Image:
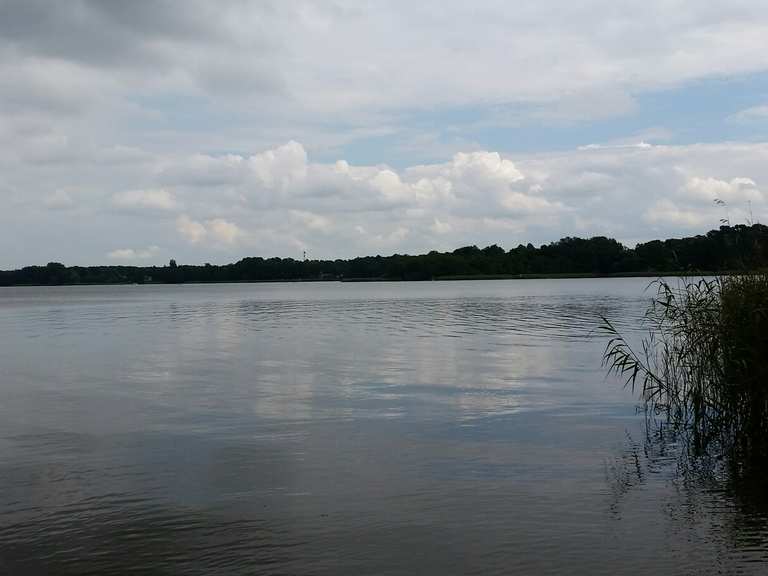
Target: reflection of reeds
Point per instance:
(704, 500)
(704, 363)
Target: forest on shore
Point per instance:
(729, 248)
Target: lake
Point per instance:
(338, 428)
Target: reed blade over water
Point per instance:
(704, 362)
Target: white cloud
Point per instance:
(484, 166)
(339, 209)
(312, 221)
(223, 232)
(216, 230)
(733, 190)
(641, 145)
(281, 167)
(129, 254)
(283, 178)
(391, 238)
(522, 204)
(335, 209)
(440, 227)
(755, 113)
(192, 231)
(667, 212)
(155, 199)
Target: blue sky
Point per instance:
(703, 111)
(136, 132)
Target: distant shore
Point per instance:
(468, 277)
(457, 278)
(727, 249)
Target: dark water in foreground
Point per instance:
(429, 428)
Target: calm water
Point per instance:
(424, 428)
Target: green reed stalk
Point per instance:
(704, 362)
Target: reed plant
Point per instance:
(703, 364)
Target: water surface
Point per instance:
(326, 428)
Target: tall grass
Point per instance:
(704, 363)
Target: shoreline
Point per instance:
(456, 278)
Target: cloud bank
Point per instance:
(278, 202)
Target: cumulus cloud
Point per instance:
(284, 178)
(440, 227)
(312, 221)
(735, 189)
(277, 168)
(523, 204)
(192, 231)
(223, 232)
(130, 254)
(339, 208)
(281, 167)
(290, 203)
(216, 230)
(668, 213)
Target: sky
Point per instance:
(137, 132)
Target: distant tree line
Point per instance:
(730, 248)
